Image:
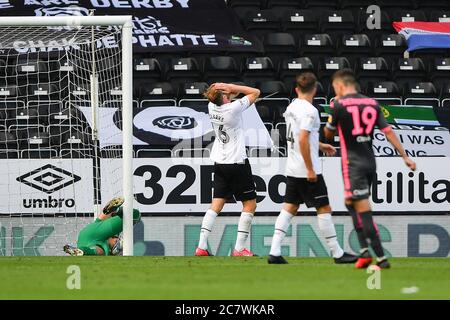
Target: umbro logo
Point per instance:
(49, 178)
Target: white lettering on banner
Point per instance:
(46, 186)
(176, 40)
(138, 4)
(185, 185)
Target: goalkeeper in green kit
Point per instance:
(102, 237)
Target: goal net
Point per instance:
(61, 88)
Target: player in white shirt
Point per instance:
(305, 183)
(232, 171)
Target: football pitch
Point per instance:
(218, 278)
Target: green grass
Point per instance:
(217, 278)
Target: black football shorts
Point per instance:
(234, 179)
(312, 194)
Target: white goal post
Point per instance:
(125, 23)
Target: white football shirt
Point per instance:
(302, 115)
(229, 145)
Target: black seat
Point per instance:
(317, 46)
(276, 89)
(337, 23)
(385, 92)
(220, 69)
(258, 69)
(192, 90)
(440, 72)
(26, 116)
(328, 66)
(390, 46)
(374, 69)
(279, 46)
(408, 15)
(354, 46)
(159, 94)
(8, 92)
(8, 140)
(148, 68)
(260, 22)
(421, 93)
(181, 70)
(44, 91)
(290, 68)
(299, 22)
(439, 15)
(409, 71)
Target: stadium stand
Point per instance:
(321, 36)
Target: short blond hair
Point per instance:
(214, 95)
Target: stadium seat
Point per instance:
(440, 72)
(25, 116)
(8, 91)
(328, 66)
(8, 140)
(372, 69)
(276, 89)
(220, 69)
(279, 46)
(148, 68)
(408, 15)
(354, 46)
(337, 23)
(258, 69)
(409, 71)
(289, 69)
(79, 91)
(62, 134)
(44, 91)
(385, 92)
(299, 22)
(192, 90)
(159, 94)
(317, 46)
(439, 15)
(181, 70)
(260, 22)
(390, 46)
(421, 93)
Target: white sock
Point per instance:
(245, 223)
(281, 225)
(207, 224)
(326, 226)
